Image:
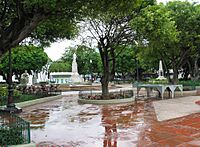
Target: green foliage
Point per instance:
(85, 55)
(53, 29)
(60, 67)
(10, 136)
(155, 24)
(171, 33)
(189, 83)
(4, 92)
(24, 58)
(42, 21)
(186, 17)
(126, 61)
(13, 130)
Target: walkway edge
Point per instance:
(38, 101)
(104, 102)
(24, 145)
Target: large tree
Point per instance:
(28, 58)
(53, 19)
(187, 19)
(109, 26)
(157, 29)
(172, 34)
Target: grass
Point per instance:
(22, 98)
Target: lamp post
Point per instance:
(10, 107)
(137, 70)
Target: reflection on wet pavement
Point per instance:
(66, 123)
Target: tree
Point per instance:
(85, 55)
(158, 31)
(24, 58)
(44, 20)
(60, 66)
(109, 26)
(186, 16)
(172, 35)
(126, 62)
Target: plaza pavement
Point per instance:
(175, 108)
(150, 122)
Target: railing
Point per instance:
(13, 130)
(112, 95)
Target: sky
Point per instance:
(56, 49)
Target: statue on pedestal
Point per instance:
(161, 72)
(76, 78)
(74, 65)
(24, 78)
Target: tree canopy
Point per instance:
(171, 34)
(88, 59)
(24, 58)
(45, 20)
(109, 26)
(59, 66)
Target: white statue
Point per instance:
(74, 65)
(25, 78)
(74, 57)
(75, 75)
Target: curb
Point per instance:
(24, 145)
(105, 102)
(38, 101)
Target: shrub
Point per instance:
(4, 92)
(10, 136)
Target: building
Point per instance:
(61, 77)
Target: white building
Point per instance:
(61, 77)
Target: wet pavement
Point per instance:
(66, 123)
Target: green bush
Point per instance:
(10, 136)
(17, 93)
(4, 92)
(189, 83)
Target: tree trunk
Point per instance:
(195, 75)
(106, 68)
(105, 79)
(175, 73)
(104, 84)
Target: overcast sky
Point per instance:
(56, 49)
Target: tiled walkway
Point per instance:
(68, 124)
(180, 132)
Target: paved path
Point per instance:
(177, 107)
(65, 123)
